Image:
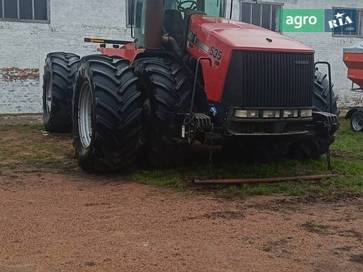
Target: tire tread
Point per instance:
(63, 67)
(119, 125)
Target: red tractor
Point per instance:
(190, 76)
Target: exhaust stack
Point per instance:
(154, 17)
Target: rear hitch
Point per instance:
(195, 122)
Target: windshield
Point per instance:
(215, 8)
(210, 7)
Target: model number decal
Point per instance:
(215, 53)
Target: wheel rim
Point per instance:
(85, 116)
(357, 122)
(48, 95)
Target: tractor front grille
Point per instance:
(269, 79)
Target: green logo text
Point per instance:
(302, 20)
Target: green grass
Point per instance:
(347, 159)
(26, 146)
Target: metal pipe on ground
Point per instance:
(154, 17)
(262, 180)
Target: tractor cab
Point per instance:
(176, 15)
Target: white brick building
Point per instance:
(61, 25)
(24, 45)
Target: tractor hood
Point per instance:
(244, 36)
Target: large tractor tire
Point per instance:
(58, 81)
(319, 143)
(168, 89)
(108, 128)
(321, 95)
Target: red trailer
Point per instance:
(353, 58)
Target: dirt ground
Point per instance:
(69, 221)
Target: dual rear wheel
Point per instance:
(167, 92)
(108, 121)
(122, 113)
(119, 113)
(58, 81)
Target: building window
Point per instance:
(354, 29)
(24, 10)
(262, 14)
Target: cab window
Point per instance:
(139, 21)
(170, 4)
(214, 7)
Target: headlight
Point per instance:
(291, 113)
(240, 113)
(271, 114)
(246, 113)
(306, 113)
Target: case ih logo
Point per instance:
(341, 20)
